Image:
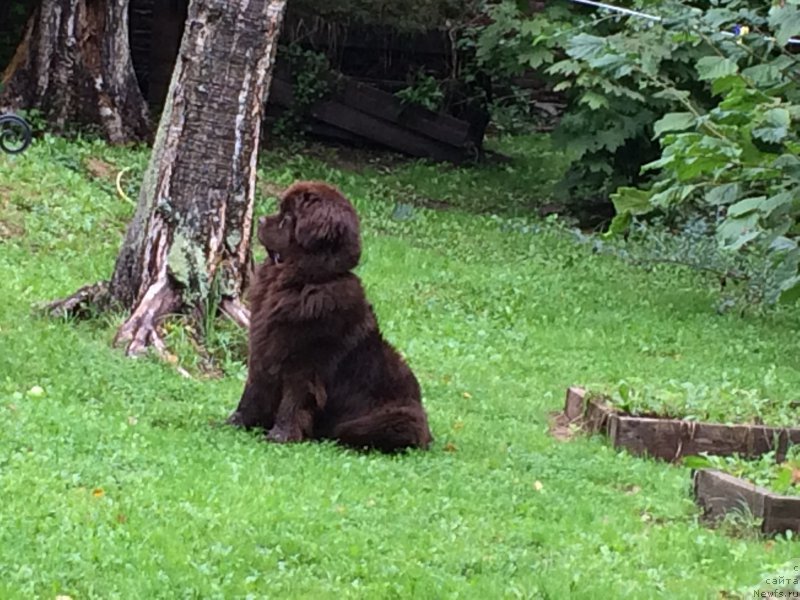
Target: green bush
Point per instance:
(691, 117)
(738, 156)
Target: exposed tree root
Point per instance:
(141, 328)
(236, 312)
(86, 302)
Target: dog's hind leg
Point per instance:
(389, 429)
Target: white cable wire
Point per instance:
(641, 15)
(619, 9)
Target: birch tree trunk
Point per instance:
(74, 65)
(189, 239)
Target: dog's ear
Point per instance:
(326, 227)
(321, 224)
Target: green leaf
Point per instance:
(585, 47)
(789, 164)
(764, 75)
(782, 245)
(676, 121)
(746, 206)
(697, 462)
(726, 193)
(672, 94)
(564, 67)
(618, 65)
(715, 67)
(632, 201)
(624, 390)
(673, 195)
(783, 481)
(736, 232)
(778, 117)
(536, 57)
(790, 290)
(786, 21)
(776, 202)
(619, 224)
(694, 166)
(594, 100)
(724, 85)
(773, 135)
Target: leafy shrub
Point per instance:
(310, 73)
(690, 117)
(504, 42)
(725, 402)
(607, 127)
(423, 89)
(737, 156)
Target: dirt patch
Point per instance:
(12, 222)
(357, 160)
(100, 169)
(5, 196)
(10, 230)
(562, 428)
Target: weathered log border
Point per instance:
(719, 493)
(672, 439)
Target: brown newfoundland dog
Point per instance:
(318, 367)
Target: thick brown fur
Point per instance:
(318, 366)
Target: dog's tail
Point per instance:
(388, 430)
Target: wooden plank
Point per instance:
(672, 439)
(781, 513)
(573, 404)
(370, 128)
(718, 493)
(597, 416)
(384, 133)
(387, 106)
(331, 132)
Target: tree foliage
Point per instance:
(694, 115)
(735, 156)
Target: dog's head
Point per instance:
(316, 231)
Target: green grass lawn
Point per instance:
(116, 481)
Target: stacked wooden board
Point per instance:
(356, 112)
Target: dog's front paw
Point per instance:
(235, 420)
(282, 435)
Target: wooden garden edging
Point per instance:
(672, 439)
(719, 493)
